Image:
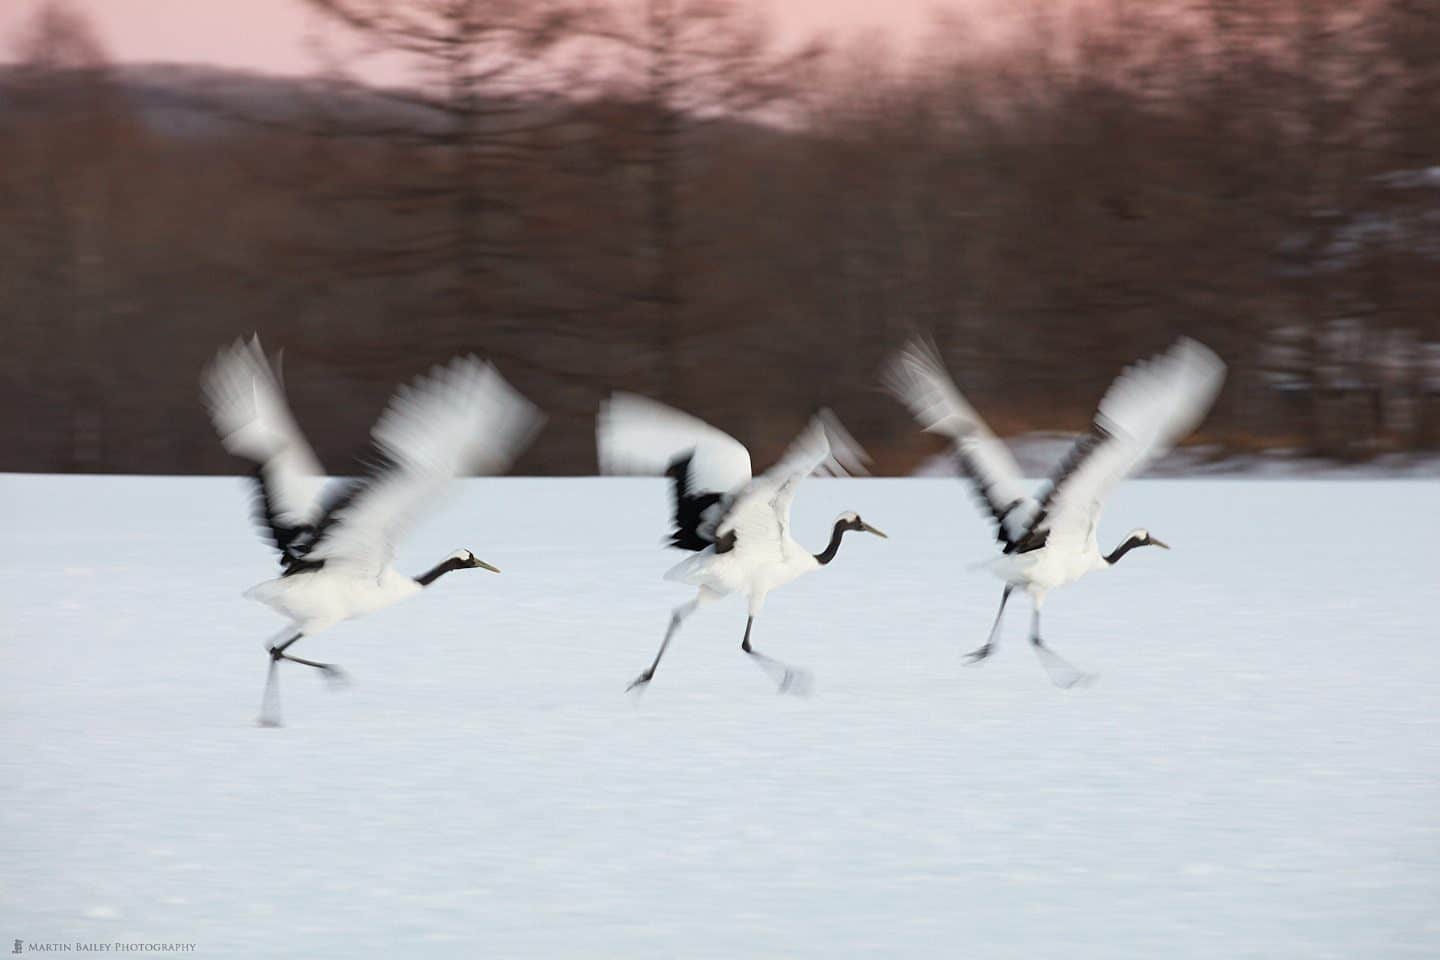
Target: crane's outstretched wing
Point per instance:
(636, 435)
(918, 379)
(1149, 407)
(760, 512)
(247, 406)
(462, 418)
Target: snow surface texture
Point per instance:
(1254, 775)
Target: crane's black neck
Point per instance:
(439, 570)
(1130, 544)
(828, 554)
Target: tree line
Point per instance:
(655, 195)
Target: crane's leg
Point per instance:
(270, 702)
(788, 679)
(332, 673)
(975, 656)
(1061, 672)
(677, 617)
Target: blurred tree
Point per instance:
(651, 196)
(60, 191)
(691, 63)
(58, 37)
(452, 154)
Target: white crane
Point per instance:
(337, 550)
(1049, 538)
(737, 525)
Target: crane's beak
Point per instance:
(875, 530)
(1158, 543)
(482, 564)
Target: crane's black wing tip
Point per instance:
(293, 540)
(690, 508)
(1081, 451)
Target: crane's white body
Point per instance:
(338, 555)
(753, 572)
(1148, 408)
(638, 435)
(741, 537)
(1049, 537)
(461, 418)
(1043, 570)
(317, 601)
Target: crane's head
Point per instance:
(850, 520)
(847, 521)
(1139, 537)
(465, 560)
(459, 560)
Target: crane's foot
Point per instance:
(1062, 673)
(980, 654)
(1075, 680)
(796, 682)
(336, 678)
(788, 679)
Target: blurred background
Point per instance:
(736, 206)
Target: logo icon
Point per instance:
(19, 946)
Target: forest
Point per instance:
(658, 196)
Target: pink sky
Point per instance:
(269, 34)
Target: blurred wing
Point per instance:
(825, 448)
(636, 435)
(1148, 408)
(460, 419)
(761, 511)
(918, 379)
(247, 405)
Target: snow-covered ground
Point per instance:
(1256, 773)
